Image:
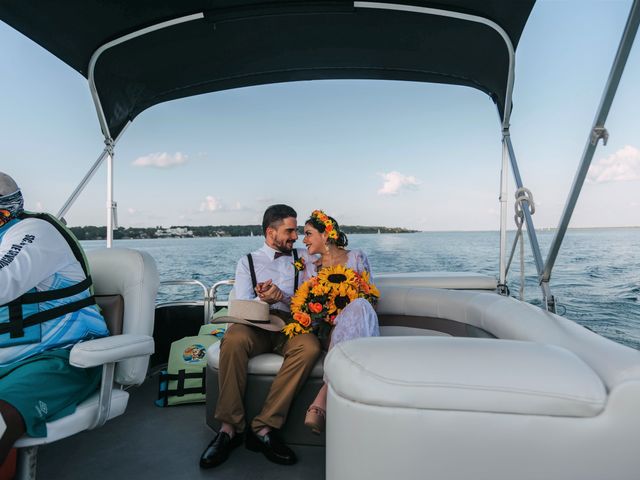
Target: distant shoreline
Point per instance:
(138, 233)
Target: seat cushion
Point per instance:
(81, 419)
(469, 374)
(264, 364)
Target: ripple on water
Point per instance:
(600, 287)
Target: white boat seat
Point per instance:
(125, 283)
(264, 364)
(81, 420)
(468, 374)
(542, 397)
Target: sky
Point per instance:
(398, 154)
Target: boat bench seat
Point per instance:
(263, 368)
(539, 397)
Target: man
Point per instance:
(46, 306)
(269, 275)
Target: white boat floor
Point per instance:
(149, 442)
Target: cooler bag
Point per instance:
(184, 379)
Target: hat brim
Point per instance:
(275, 323)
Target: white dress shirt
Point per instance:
(279, 270)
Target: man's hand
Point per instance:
(268, 292)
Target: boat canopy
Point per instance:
(140, 53)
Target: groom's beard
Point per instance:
(284, 246)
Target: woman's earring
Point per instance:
(326, 246)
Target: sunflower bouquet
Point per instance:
(319, 300)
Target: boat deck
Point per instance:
(158, 443)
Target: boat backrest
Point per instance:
(451, 280)
(508, 318)
(133, 276)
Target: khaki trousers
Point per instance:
(242, 342)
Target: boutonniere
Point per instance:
(299, 264)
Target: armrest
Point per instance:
(110, 349)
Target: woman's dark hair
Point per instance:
(275, 214)
(342, 240)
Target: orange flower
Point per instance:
(315, 307)
(302, 318)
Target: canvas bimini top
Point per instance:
(137, 54)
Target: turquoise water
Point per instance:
(596, 278)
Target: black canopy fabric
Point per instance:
(242, 43)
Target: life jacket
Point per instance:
(20, 319)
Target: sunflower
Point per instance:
(299, 299)
(332, 276)
(320, 299)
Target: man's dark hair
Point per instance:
(275, 214)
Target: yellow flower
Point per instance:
(329, 227)
(299, 299)
(294, 328)
(332, 276)
(320, 290)
(329, 292)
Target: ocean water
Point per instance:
(596, 278)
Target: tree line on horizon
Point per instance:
(100, 232)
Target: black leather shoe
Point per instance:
(272, 446)
(219, 449)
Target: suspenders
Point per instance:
(252, 269)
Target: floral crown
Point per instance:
(329, 226)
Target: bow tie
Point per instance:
(281, 254)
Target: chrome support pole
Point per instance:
(504, 171)
(106, 388)
(597, 132)
(76, 193)
(110, 202)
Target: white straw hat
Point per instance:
(254, 313)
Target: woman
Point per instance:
(322, 236)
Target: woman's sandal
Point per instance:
(315, 419)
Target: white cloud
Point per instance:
(395, 181)
(211, 204)
(622, 166)
(161, 160)
(131, 211)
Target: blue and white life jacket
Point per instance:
(57, 317)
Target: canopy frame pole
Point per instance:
(597, 132)
(502, 288)
(104, 126)
(125, 38)
(89, 175)
(548, 298)
(467, 17)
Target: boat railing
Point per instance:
(212, 299)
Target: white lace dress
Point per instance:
(358, 318)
